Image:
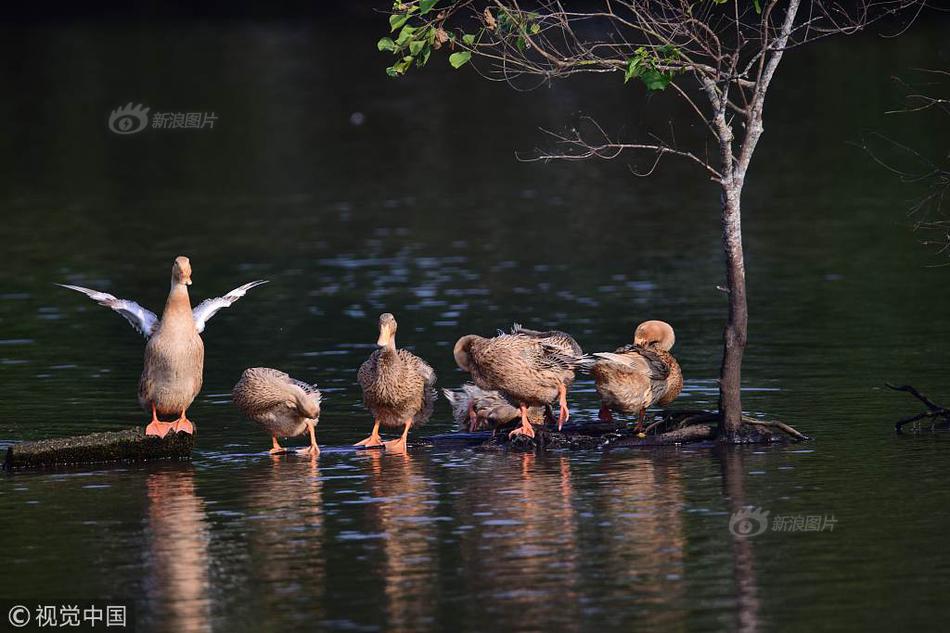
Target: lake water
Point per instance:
(354, 195)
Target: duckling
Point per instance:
(174, 355)
(635, 377)
(282, 405)
(532, 368)
(398, 388)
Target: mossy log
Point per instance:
(668, 428)
(129, 445)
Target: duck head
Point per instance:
(303, 403)
(655, 333)
(387, 330)
(181, 271)
(461, 352)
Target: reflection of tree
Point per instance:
(286, 537)
(747, 598)
(403, 516)
(178, 537)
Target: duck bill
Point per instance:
(385, 337)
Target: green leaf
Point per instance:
(386, 44)
(391, 71)
(758, 6)
(468, 39)
(631, 71)
(460, 58)
(424, 57)
(655, 80)
(405, 35)
(416, 46)
(403, 64)
(535, 28)
(521, 43)
(426, 5)
(397, 20)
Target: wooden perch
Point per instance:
(671, 427)
(939, 415)
(126, 445)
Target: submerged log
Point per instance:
(669, 428)
(128, 445)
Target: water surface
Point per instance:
(418, 206)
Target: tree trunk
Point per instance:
(734, 336)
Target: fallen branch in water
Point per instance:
(117, 446)
(672, 427)
(937, 413)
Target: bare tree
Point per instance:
(719, 56)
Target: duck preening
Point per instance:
(398, 388)
(283, 406)
(635, 377)
(477, 409)
(530, 367)
(174, 354)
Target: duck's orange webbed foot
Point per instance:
(398, 447)
(155, 427)
(313, 450)
(276, 449)
(183, 425)
(373, 440)
(525, 429)
(158, 429)
(564, 415)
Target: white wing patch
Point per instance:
(209, 307)
(142, 320)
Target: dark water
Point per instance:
(422, 210)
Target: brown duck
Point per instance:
(398, 388)
(283, 406)
(476, 409)
(635, 377)
(531, 368)
(174, 354)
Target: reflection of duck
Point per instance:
(522, 555)
(283, 406)
(178, 560)
(532, 368)
(476, 409)
(635, 377)
(410, 547)
(285, 539)
(174, 354)
(398, 387)
(640, 503)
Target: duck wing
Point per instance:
(210, 307)
(637, 359)
(563, 340)
(144, 321)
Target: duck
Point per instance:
(174, 353)
(637, 376)
(477, 409)
(283, 406)
(530, 367)
(398, 388)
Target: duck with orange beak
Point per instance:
(174, 354)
